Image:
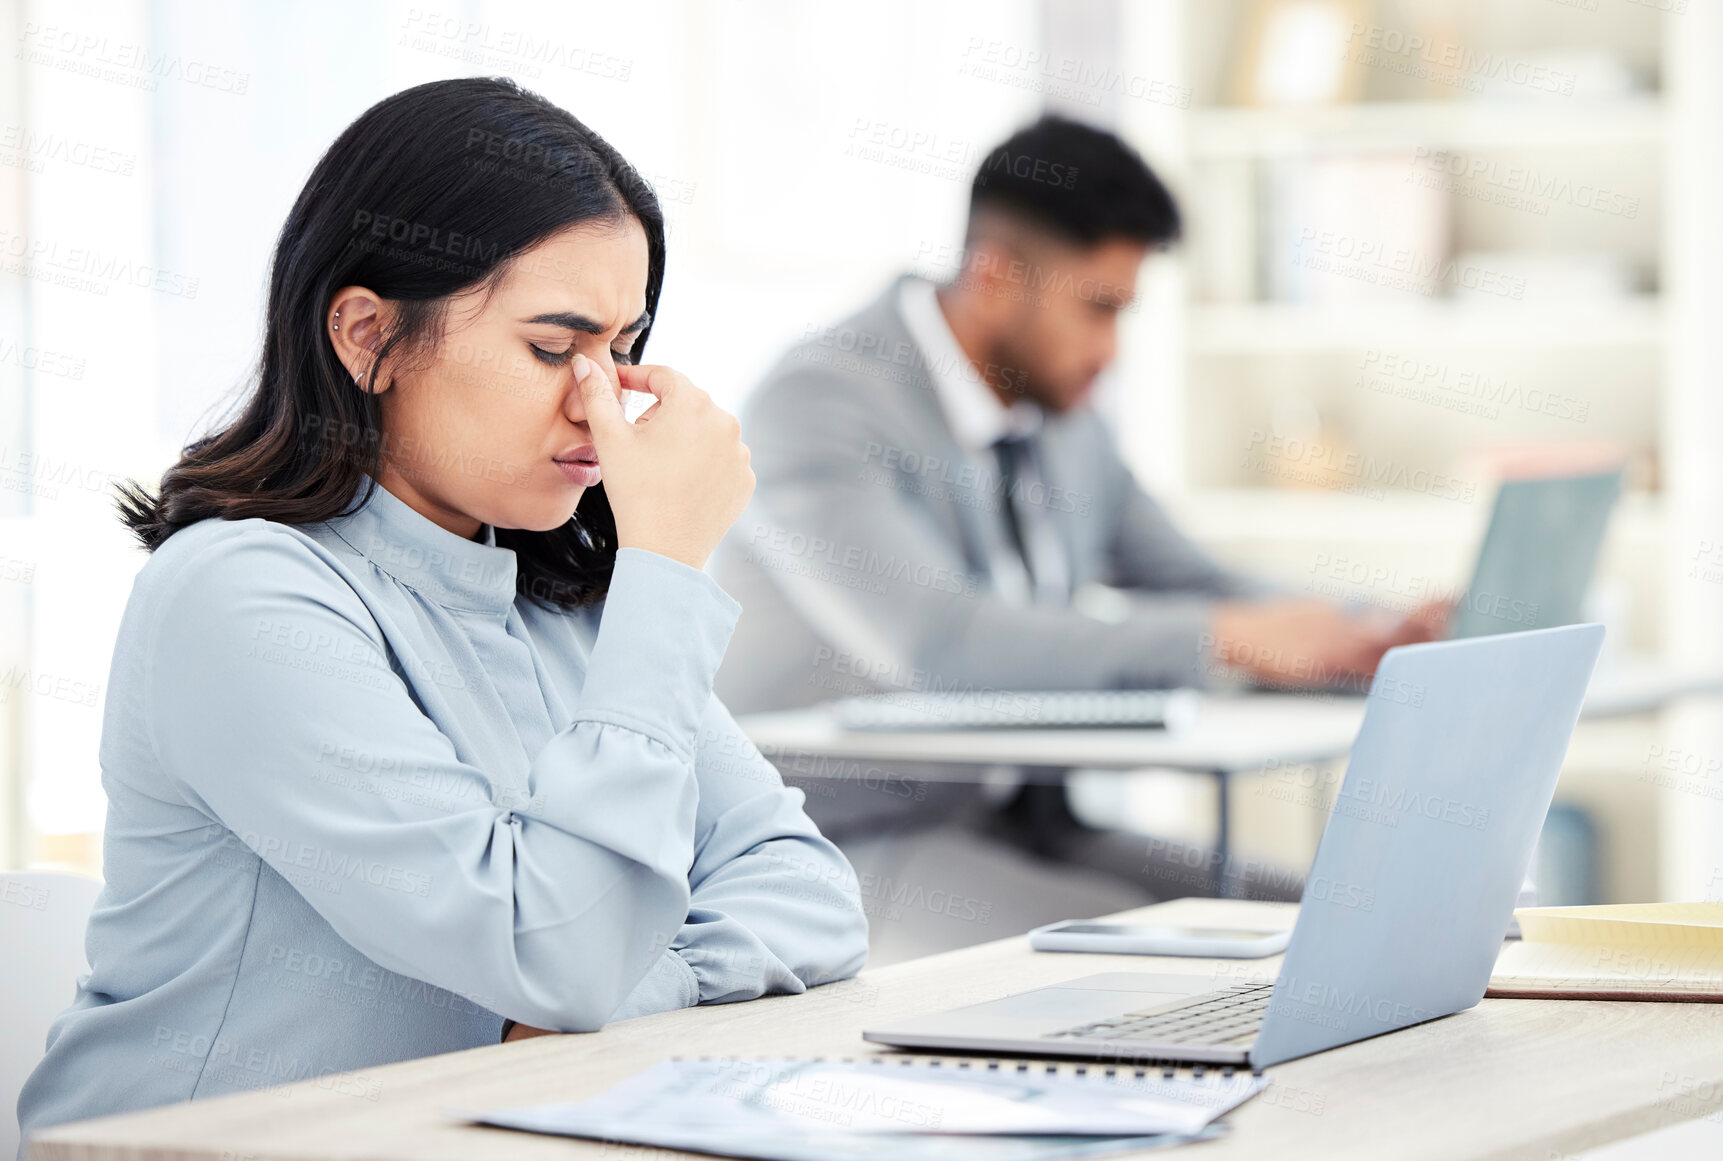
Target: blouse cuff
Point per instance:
(668, 985)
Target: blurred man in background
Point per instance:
(940, 508)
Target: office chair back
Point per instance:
(42, 919)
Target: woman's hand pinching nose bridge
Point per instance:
(677, 483)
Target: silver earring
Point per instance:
(337, 315)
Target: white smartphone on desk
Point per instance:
(1144, 939)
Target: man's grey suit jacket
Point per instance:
(862, 563)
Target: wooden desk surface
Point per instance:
(1508, 1080)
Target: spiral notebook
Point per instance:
(902, 1107)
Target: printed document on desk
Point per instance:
(898, 1107)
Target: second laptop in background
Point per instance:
(1538, 555)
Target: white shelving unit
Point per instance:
(1289, 328)
(1365, 126)
(1220, 352)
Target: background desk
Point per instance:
(1507, 1080)
(1232, 734)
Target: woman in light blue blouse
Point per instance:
(410, 729)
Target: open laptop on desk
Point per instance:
(1538, 554)
(1532, 571)
(1409, 895)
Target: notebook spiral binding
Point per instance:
(1136, 1070)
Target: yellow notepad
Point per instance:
(1635, 951)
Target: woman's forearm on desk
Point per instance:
(775, 906)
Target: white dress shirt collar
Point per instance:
(976, 417)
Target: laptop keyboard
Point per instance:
(1231, 1016)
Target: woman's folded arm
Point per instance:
(270, 696)
(776, 906)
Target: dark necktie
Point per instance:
(1011, 451)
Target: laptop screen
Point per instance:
(1537, 558)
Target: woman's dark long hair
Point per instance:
(430, 192)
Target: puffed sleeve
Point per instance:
(776, 906)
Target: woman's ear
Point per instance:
(354, 323)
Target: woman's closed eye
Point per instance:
(559, 358)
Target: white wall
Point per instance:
(751, 118)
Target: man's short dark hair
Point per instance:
(1078, 182)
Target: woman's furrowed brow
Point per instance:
(579, 322)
